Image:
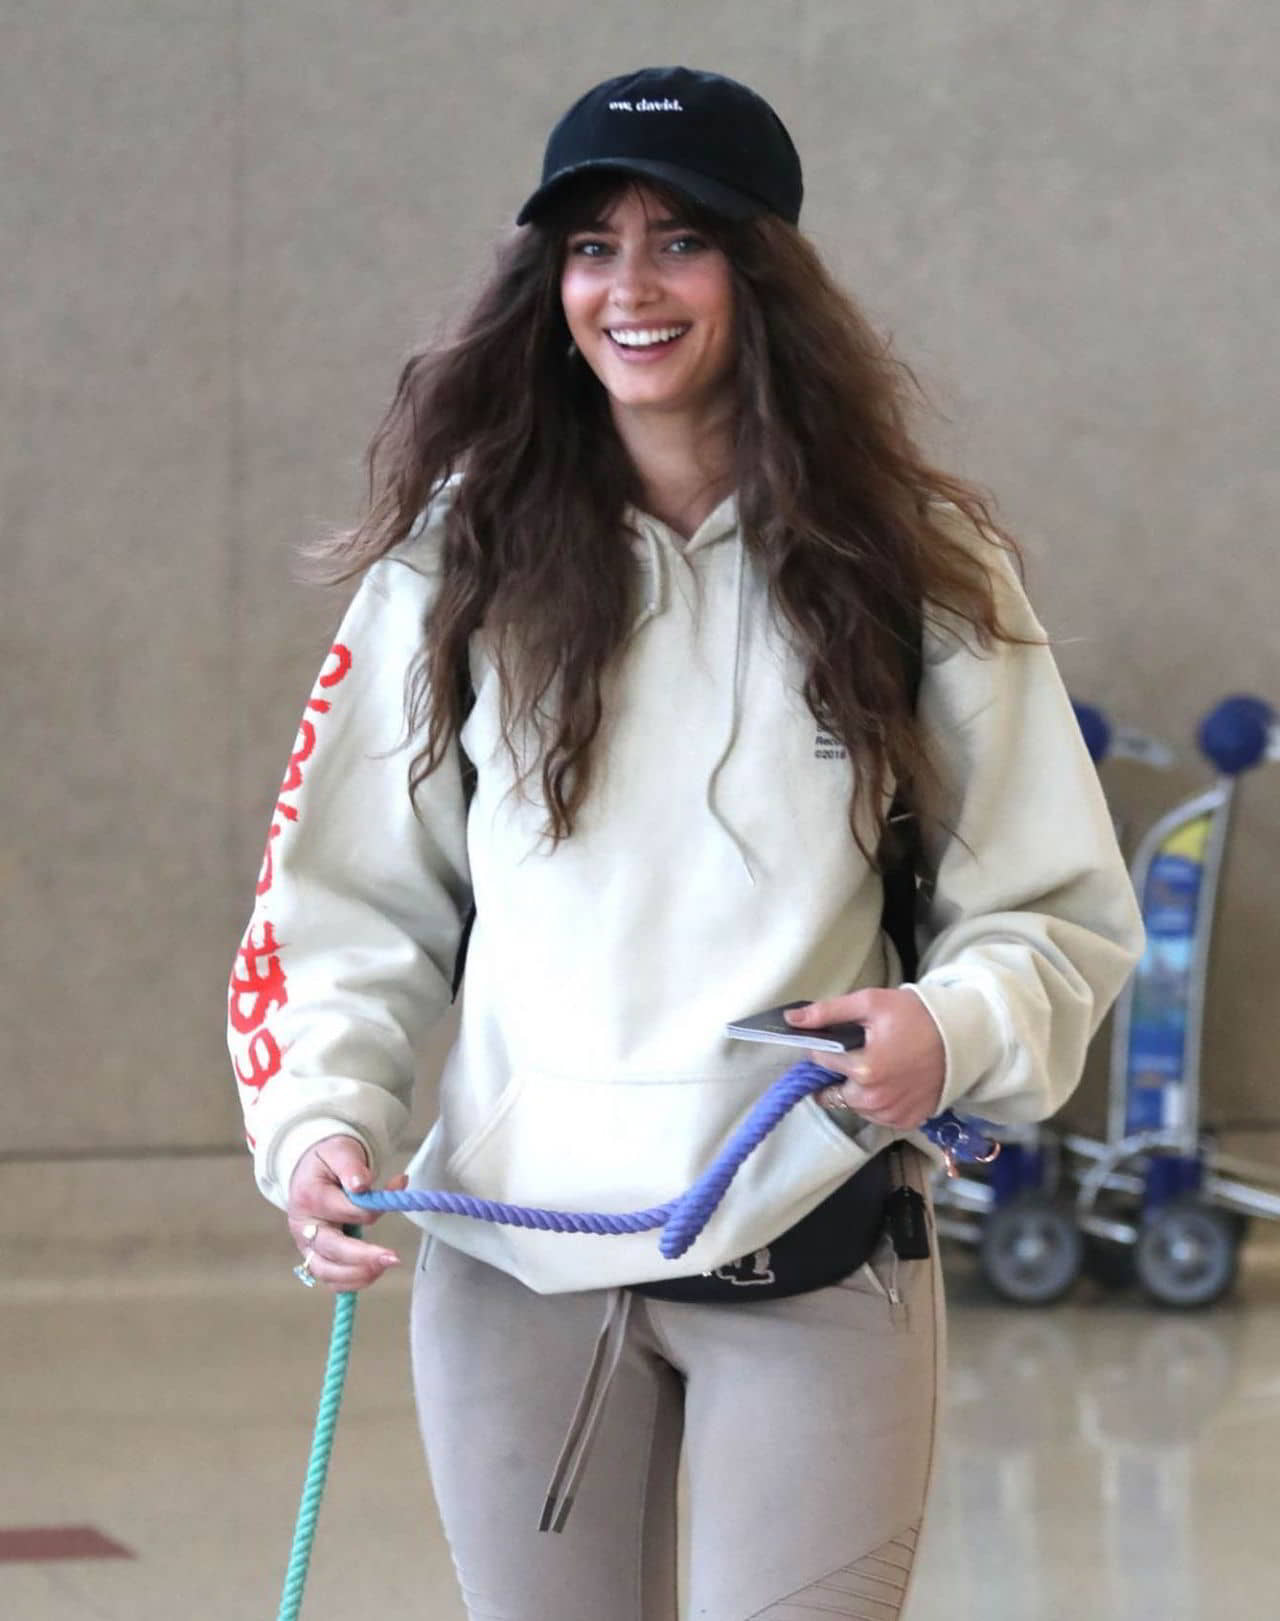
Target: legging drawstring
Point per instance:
(585, 1423)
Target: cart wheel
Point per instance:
(1030, 1251)
(1186, 1254)
(1108, 1264)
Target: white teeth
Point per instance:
(642, 339)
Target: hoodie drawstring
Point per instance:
(655, 602)
(735, 709)
(655, 594)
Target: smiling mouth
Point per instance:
(646, 340)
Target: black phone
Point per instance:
(771, 1026)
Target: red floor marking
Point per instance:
(40, 1542)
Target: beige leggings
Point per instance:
(807, 1427)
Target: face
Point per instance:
(649, 303)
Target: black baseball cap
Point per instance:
(708, 136)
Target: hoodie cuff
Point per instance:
(971, 1034)
(276, 1173)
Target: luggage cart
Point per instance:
(1157, 1195)
(1030, 1248)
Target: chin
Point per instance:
(639, 398)
(667, 400)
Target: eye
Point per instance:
(687, 243)
(588, 247)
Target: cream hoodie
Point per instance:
(711, 874)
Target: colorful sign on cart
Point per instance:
(1163, 985)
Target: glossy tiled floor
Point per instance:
(1101, 1460)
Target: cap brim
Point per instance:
(709, 193)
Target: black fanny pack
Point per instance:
(833, 1240)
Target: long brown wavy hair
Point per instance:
(835, 502)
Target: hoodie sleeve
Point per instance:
(348, 957)
(1032, 926)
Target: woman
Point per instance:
(660, 607)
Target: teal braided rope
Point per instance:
(304, 1532)
(683, 1219)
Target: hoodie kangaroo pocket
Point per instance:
(561, 1142)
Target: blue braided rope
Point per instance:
(516, 1215)
(681, 1220)
(304, 1532)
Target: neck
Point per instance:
(684, 461)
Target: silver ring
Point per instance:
(303, 1272)
(832, 1099)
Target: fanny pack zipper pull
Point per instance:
(906, 1218)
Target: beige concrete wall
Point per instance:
(223, 226)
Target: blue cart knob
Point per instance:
(1236, 734)
(1095, 729)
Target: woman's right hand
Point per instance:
(319, 1208)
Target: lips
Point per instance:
(638, 342)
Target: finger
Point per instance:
(337, 1158)
(850, 1093)
(320, 1186)
(845, 1009)
(397, 1184)
(340, 1157)
(886, 1106)
(328, 1261)
(881, 1107)
(332, 1244)
(342, 1279)
(303, 1231)
(857, 1070)
(345, 1161)
(321, 1199)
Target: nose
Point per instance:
(634, 282)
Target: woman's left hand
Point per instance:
(896, 1079)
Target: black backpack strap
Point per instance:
(901, 853)
(466, 702)
(898, 914)
(460, 961)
